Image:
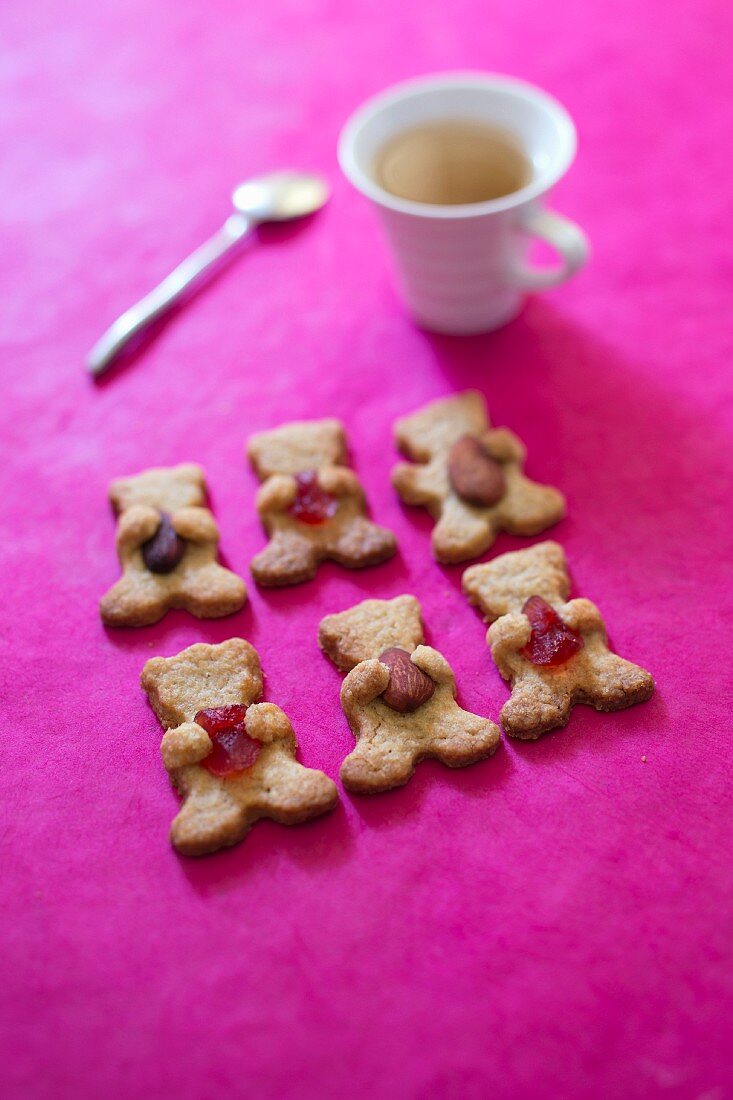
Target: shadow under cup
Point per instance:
(463, 266)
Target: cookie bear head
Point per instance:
(504, 584)
(166, 488)
(435, 428)
(301, 445)
(202, 676)
(368, 629)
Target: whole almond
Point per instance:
(165, 549)
(474, 474)
(409, 687)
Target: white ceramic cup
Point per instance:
(464, 268)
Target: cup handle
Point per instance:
(567, 239)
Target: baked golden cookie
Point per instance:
(555, 654)
(399, 697)
(167, 543)
(470, 478)
(311, 504)
(230, 757)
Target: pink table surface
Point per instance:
(554, 922)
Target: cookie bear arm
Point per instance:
(195, 524)
(583, 615)
(277, 494)
(266, 723)
(504, 445)
(340, 482)
(135, 526)
(363, 684)
(415, 484)
(508, 635)
(434, 665)
(188, 743)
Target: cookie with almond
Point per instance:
(399, 697)
(470, 477)
(167, 544)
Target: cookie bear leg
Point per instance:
(294, 793)
(534, 708)
(474, 739)
(212, 592)
(363, 543)
(529, 508)
(415, 484)
(131, 603)
(377, 765)
(208, 820)
(461, 533)
(288, 558)
(617, 684)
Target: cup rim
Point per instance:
(454, 80)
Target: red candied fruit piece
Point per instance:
(233, 749)
(312, 504)
(552, 642)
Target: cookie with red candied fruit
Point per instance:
(470, 477)
(167, 543)
(399, 697)
(311, 504)
(229, 756)
(554, 653)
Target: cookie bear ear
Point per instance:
(368, 629)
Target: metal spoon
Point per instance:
(277, 197)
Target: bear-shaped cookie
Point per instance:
(311, 504)
(554, 653)
(167, 542)
(230, 757)
(399, 696)
(470, 478)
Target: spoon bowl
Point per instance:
(276, 197)
(280, 196)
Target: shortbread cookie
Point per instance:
(311, 504)
(230, 757)
(167, 545)
(555, 654)
(470, 478)
(399, 697)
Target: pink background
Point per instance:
(554, 922)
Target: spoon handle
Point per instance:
(138, 317)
